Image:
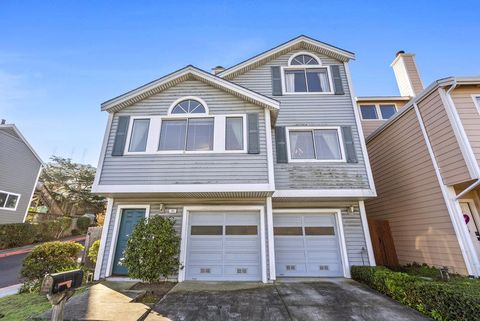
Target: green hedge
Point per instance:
(457, 300)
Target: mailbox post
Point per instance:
(59, 287)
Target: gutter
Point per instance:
(468, 189)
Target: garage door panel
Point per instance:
(207, 257)
(290, 256)
(287, 220)
(239, 271)
(199, 272)
(291, 269)
(203, 243)
(324, 243)
(286, 242)
(241, 218)
(206, 218)
(241, 242)
(318, 220)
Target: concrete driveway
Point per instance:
(330, 299)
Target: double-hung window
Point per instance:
(380, 111)
(9, 201)
(305, 74)
(315, 144)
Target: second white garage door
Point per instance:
(306, 245)
(223, 246)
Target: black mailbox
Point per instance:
(61, 282)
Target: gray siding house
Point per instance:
(20, 167)
(263, 166)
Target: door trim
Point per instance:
(217, 208)
(116, 227)
(338, 220)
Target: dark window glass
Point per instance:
(234, 133)
(369, 112)
(317, 80)
(387, 111)
(11, 201)
(319, 230)
(287, 230)
(206, 230)
(241, 230)
(200, 134)
(188, 106)
(172, 135)
(295, 81)
(3, 199)
(304, 60)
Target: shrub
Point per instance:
(83, 223)
(75, 232)
(13, 235)
(455, 300)
(152, 250)
(93, 251)
(50, 257)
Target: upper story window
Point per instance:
(378, 111)
(305, 74)
(476, 99)
(9, 201)
(189, 106)
(315, 144)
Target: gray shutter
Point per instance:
(337, 80)
(281, 144)
(276, 81)
(120, 136)
(253, 134)
(349, 146)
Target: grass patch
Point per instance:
(20, 307)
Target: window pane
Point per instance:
(317, 80)
(319, 230)
(304, 60)
(11, 201)
(387, 111)
(327, 144)
(200, 134)
(138, 141)
(234, 133)
(206, 230)
(288, 230)
(172, 135)
(241, 230)
(3, 199)
(369, 112)
(188, 106)
(301, 145)
(295, 81)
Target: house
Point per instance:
(263, 165)
(20, 167)
(425, 161)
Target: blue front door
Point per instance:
(129, 219)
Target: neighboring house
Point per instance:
(263, 166)
(425, 162)
(20, 167)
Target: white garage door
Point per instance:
(306, 245)
(223, 246)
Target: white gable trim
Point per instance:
(24, 140)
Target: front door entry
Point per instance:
(472, 220)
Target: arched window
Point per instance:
(189, 106)
(304, 60)
(305, 74)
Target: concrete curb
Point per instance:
(10, 290)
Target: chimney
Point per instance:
(217, 70)
(3, 122)
(406, 73)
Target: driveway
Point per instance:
(329, 299)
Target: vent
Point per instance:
(241, 270)
(323, 267)
(291, 267)
(205, 270)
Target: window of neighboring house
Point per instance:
(387, 111)
(369, 111)
(319, 144)
(8, 200)
(381, 111)
(234, 133)
(305, 74)
(477, 102)
(138, 139)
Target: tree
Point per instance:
(152, 250)
(70, 185)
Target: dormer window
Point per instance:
(305, 74)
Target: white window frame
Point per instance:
(179, 100)
(476, 98)
(16, 205)
(377, 109)
(293, 67)
(312, 128)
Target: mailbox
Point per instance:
(61, 282)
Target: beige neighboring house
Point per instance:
(426, 166)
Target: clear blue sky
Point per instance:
(60, 59)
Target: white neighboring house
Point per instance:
(20, 167)
(263, 166)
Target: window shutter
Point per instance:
(120, 136)
(253, 134)
(337, 80)
(276, 81)
(281, 144)
(351, 155)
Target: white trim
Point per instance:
(476, 101)
(271, 239)
(103, 150)
(366, 233)
(453, 207)
(341, 233)
(360, 131)
(184, 233)
(31, 195)
(6, 199)
(182, 188)
(361, 193)
(378, 110)
(268, 134)
(103, 239)
(329, 75)
(305, 53)
(312, 129)
(113, 241)
(179, 100)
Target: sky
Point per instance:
(59, 60)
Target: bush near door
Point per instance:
(458, 299)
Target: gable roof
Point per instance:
(12, 130)
(187, 73)
(300, 42)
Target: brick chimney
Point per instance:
(406, 72)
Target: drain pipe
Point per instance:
(468, 189)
